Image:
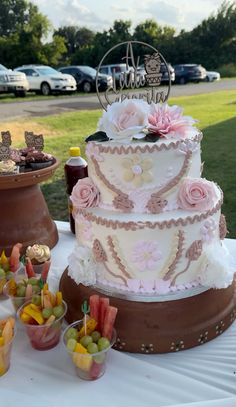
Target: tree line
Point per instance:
(24, 33)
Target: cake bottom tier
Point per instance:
(160, 327)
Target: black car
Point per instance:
(189, 73)
(85, 77)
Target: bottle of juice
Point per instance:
(75, 168)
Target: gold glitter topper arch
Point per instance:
(139, 75)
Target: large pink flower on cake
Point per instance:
(196, 194)
(85, 194)
(146, 255)
(169, 122)
(124, 119)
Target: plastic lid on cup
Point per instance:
(74, 151)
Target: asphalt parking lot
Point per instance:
(60, 104)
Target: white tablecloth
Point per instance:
(201, 377)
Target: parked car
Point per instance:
(44, 79)
(189, 73)
(212, 76)
(13, 82)
(115, 70)
(85, 77)
(165, 75)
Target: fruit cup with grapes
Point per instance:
(42, 318)
(9, 266)
(89, 340)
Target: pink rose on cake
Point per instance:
(196, 194)
(169, 122)
(125, 119)
(85, 194)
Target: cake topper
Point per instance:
(34, 140)
(6, 138)
(141, 78)
(5, 145)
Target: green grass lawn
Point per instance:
(216, 113)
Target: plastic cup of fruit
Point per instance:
(5, 355)
(18, 300)
(46, 336)
(6, 276)
(89, 366)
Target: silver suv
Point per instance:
(115, 70)
(13, 82)
(44, 79)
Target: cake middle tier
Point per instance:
(131, 177)
(146, 253)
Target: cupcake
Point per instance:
(38, 260)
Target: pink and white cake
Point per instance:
(149, 227)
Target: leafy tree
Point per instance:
(13, 15)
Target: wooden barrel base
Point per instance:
(160, 327)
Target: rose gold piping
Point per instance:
(181, 272)
(99, 220)
(116, 257)
(146, 148)
(114, 275)
(178, 255)
(178, 177)
(172, 183)
(104, 179)
(113, 188)
(193, 253)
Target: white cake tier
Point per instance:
(127, 175)
(149, 253)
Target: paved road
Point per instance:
(9, 111)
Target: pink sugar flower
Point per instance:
(196, 194)
(169, 122)
(146, 255)
(85, 194)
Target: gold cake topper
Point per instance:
(142, 77)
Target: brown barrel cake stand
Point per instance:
(23, 211)
(160, 327)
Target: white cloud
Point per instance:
(100, 15)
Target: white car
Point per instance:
(44, 79)
(13, 82)
(212, 76)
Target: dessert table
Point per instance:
(201, 377)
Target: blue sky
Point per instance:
(99, 15)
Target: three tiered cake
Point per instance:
(150, 232)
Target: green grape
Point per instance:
(103, 343)
(20, 291)
(95, 336)
(58, 311)
(35, 289)
(71, 333)
(9, 275)
(100, 358)
(6, 267)
(36, 299)
(85, 340)
(71, 344)
(92, 347)
(46, 312)
(2, 273)
(33, 281)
